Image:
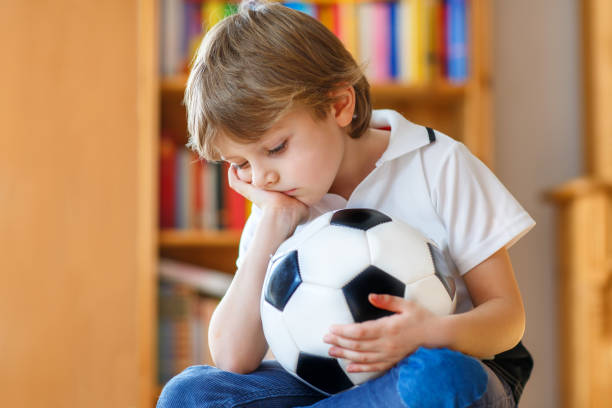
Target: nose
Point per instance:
(264, 178)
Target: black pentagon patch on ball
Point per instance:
(371, 280)
(443, 271)
(284, 280)
(359, 218)
(323, 373)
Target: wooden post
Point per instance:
(597, 81)
(585, 287)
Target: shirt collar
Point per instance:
(405, 135)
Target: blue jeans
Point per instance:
(426, 378)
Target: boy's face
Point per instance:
(299, 156)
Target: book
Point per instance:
(457, 41)
(234, 203)
(347, 27)
(304, 7)
(365, 41)
(381, 41)
(167, 168)
(404, 41)
(172, 23)
(205, 281)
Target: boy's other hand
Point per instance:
(291, 210)
(377, 345)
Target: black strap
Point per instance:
(432, 134)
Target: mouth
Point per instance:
(289, 192)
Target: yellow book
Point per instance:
(417, 57)
(213, 11)
(248, 208)
(326, 16)
(347, 32)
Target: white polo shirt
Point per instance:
(433, 183)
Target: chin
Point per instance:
(309, 201)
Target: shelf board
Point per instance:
(198, 238)
(577, 188)
(436, 90)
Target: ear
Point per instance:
(343, 107)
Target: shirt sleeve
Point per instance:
(247, 234)
(479, 213)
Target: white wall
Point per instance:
(537, 131)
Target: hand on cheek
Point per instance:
(292, 210)
(379, 344)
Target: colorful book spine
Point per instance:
(306, 8)
(457, 41)
(328, 15)
(347, 27)
(394, 33)
(366, 42)
(167, 179)
(404, 42)
(235, 205)
(381, 46)
(171, 44)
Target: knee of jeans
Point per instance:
(179, 391)
(441, 378)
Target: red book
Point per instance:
(198, 193)
(235, 205)
(442, 38)
(167, 170)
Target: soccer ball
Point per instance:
(322, 276)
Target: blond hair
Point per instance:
(256, 65)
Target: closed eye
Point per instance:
(278, 149)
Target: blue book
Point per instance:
(457, 41)
(395, 53)
(306, 8)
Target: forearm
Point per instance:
(490, 328)
(236, 336)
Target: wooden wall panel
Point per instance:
(73, 210)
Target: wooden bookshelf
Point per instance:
(213, 238)
(211, 249)
(78, 180)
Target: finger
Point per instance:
(364, 368)
(242, 187)
(389, 302)
(359, 331)
(356, 356)
(368, 345)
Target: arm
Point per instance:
(497, 321)
(236, 338)
(494, 325)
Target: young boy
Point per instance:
(274, 93)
